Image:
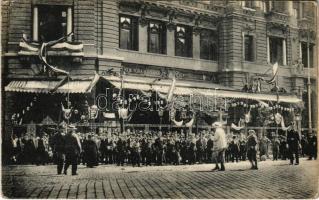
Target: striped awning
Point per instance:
(48, 86)
(194, 88)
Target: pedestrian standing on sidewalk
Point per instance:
(293, 142)
(91, 152)
(313, 145)
(72, 150)
(275, 147)
(251, 149)
(220, 145)
(58, 150)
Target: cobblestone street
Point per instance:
(272, 180)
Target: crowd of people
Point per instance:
(68, 147)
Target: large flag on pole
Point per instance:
(274, 73)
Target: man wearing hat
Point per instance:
(220, 145)
(72, 150)
(313, 145)
(293, 142)
(58, 149)
(251, 149)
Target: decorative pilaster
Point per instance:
(35, 33)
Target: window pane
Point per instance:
(183, 41)
(125, 41)
(276, 51)
(208, 45)
(249, 54)
(128, 33)
(154, 43)
(156, 37)
(52, 22)
(305, 54)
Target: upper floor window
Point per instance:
(52, 22)
(276, 50)
(304, 54)
(249, 4)
(128, 33)
(208, 45)
(156, 37)
(249, 48)
(183, 41)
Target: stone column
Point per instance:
(142, 38)
(284, 52)
(196, 45)
(35, 33)
(69, 23)
(170, 42)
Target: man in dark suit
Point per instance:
(293, 144)
(58, 150)
(209, 149)
(313, 145)
(72, 150)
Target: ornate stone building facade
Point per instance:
(228, 43)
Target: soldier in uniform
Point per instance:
(72, 150)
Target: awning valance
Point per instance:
(194, 88)
(48, 86)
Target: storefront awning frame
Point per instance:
(195, 88)
(37, 86)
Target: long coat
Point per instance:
(91, 153)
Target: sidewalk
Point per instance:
(274, 179)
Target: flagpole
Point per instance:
(309, 83)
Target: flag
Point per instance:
(274, 73)
(171, 91)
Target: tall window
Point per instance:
(249, 4)
(249, 48)
(276, 50)
(156, 37)
(208, 45)
(183, 41)
(52, 22)
(128, 33)
(304, 54)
